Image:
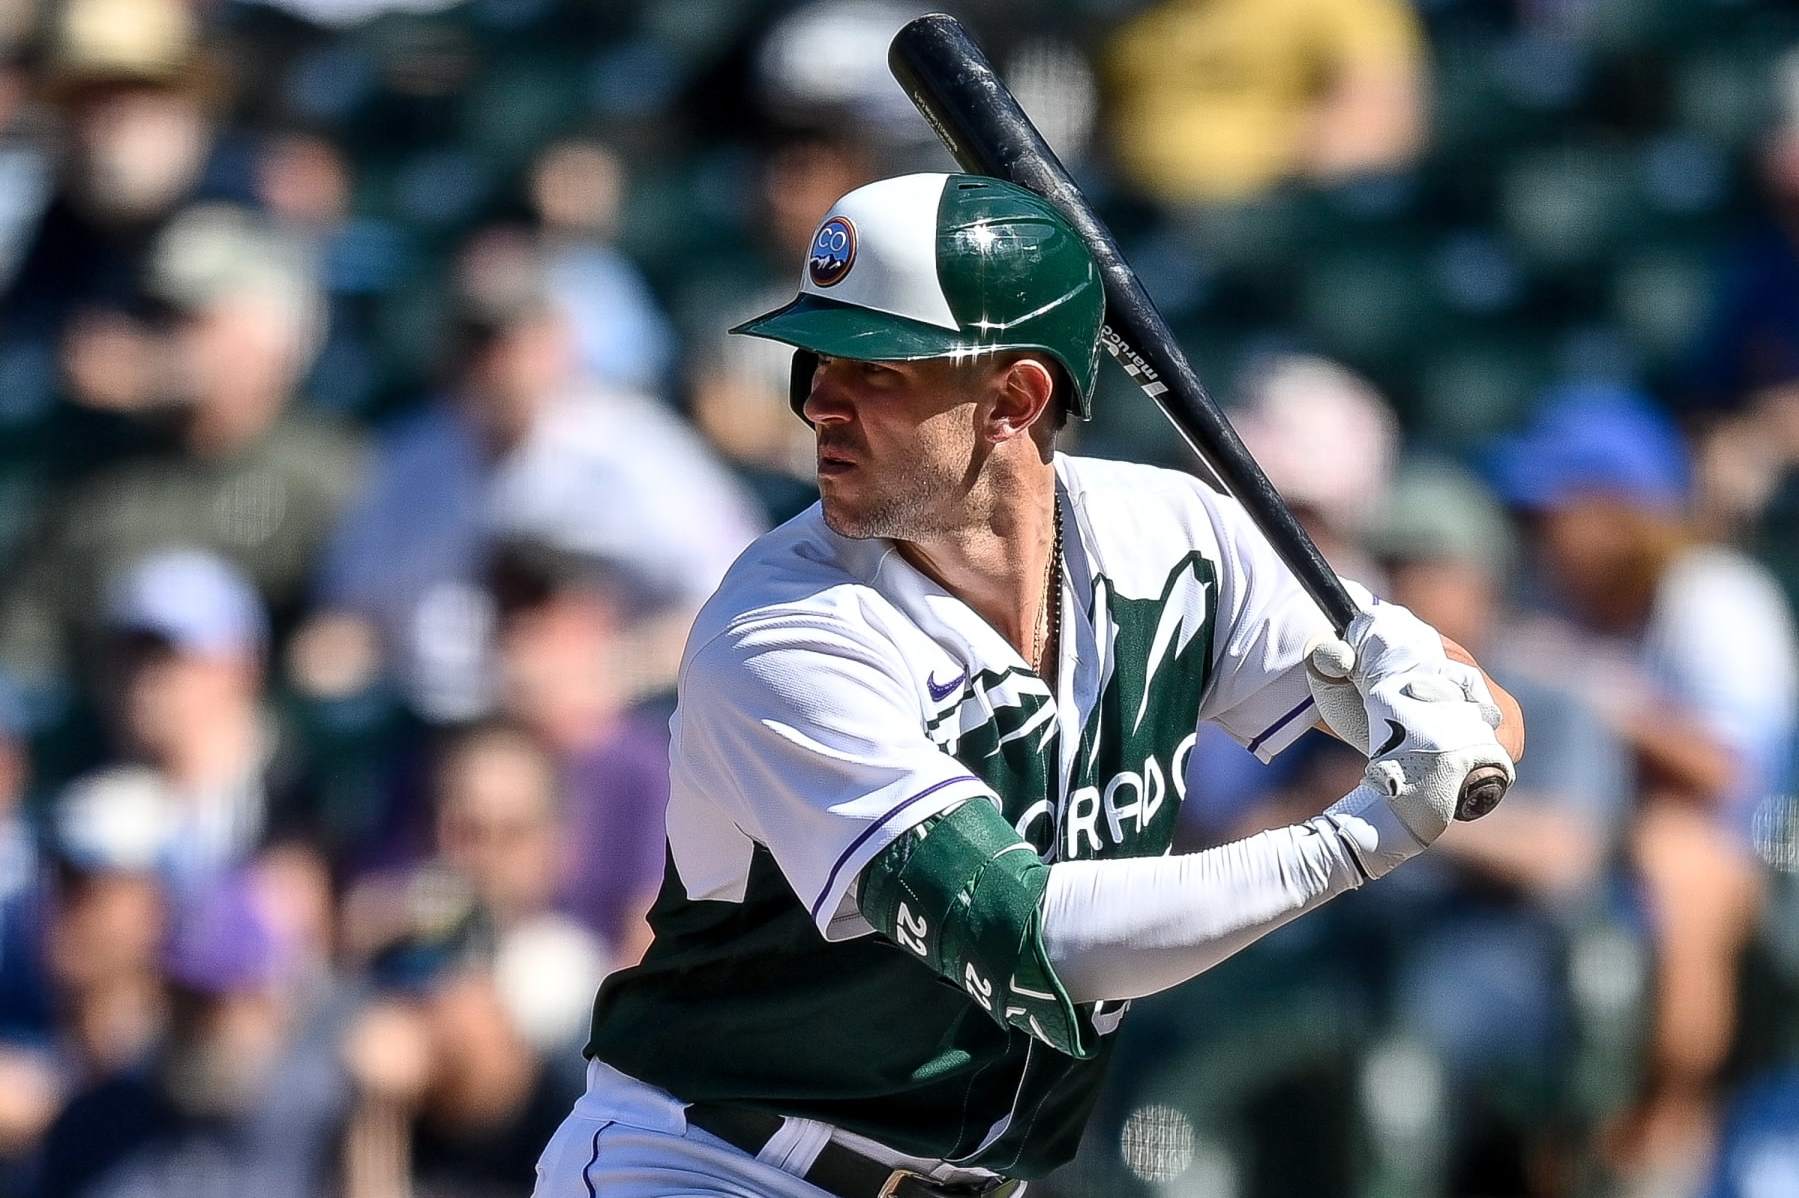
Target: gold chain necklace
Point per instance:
(1049, 616)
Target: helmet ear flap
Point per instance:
(805, 365)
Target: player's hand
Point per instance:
(1384, 640)
(1434, 737)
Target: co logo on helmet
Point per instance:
(833, 252)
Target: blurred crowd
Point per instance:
(369, 435)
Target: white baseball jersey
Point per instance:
(832, 697)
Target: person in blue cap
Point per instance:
(1688, 649)
(187, 636)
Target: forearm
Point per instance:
(1677, 753)
(1120, 929)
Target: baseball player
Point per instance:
(932, 736)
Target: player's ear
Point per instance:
(1024, 390)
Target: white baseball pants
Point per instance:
(628, 1139)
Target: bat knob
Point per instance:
(1481, 792)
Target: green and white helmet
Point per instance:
(943, 266)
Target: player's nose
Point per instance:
(831, 400)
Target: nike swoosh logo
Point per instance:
(941, 692)
(1393, 741)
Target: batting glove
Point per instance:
(1384, 640)
(1410, 790)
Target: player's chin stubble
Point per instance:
(899, 511)
(898, 498)
(901, 494)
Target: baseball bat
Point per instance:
(962, 98)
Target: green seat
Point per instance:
(21, 498)
(1660, 297)
(1473, 109)
(1478, 384)
(1252, 239)
(1723, 94)
(1565, 207)
(1684, 179)
(1364, 303)
(1473, 273)
(1638, 25)
(517, 107)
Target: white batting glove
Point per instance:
(1436, 737)
(1473, 685)
(1385, 639)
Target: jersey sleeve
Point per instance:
(1258, 691)
(809, 734)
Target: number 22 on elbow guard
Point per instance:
(911, 931)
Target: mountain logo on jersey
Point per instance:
(1129, 770)
(1133, 753)
(833, 252)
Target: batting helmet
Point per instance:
(943, 266)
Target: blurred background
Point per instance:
(368, 436)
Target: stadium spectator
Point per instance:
(244, 1096)
(99, 154)
(480, 974)
(741, 396)
(1215, 102)
(499, 846)
(523, 446)
(26, 143)
(454, 1100)
(84, 992)
(824, 130)
(1483, 931)
(1751, 345)
(622, 339)
(562, 673)
(1327, 440)
(237, 472)
(200, 769)
(1744, 388)
(1688, 653)
(1447, 553)
(822, 66)
(30, 1089)
(305, 182)
(139, 98)
(139, 92)
(107, 920)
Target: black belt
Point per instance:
(838, 1170)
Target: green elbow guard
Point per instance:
(963, 893)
